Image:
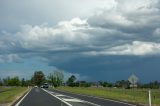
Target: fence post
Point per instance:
(149, 95)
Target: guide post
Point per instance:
(149, 95)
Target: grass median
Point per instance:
(138, 96)
(8, 95)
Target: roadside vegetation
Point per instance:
(10, 94)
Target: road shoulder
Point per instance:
(20, 97)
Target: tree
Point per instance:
(51, 79)
(1, 83)
(83, 84)
(38, 78)
(105, 84)
(29, 83)
(122, 83)
(5, 81)
(154, 85)
(71, 80)
(56, 78)
(23, 82)
(14, 81)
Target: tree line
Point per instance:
(56, 79)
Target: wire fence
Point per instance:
(137, 96)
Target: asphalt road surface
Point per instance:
(46, 97)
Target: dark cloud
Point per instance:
(111, 68)
(117, 40)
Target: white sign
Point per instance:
(133, 80)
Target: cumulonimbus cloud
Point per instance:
(136, 48)
(123, 29)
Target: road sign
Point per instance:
(133, 80)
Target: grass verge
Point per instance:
(138, 96)
(11, 94)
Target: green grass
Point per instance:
(139, 96)
(11, 94)
(4, 88)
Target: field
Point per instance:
(137, 96)
(9, 94)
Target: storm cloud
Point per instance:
(114, 37)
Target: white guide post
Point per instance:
(149, 95)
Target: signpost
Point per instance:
(133, 80)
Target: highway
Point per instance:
(46, 97)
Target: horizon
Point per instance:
(94, 40)
(65, 79)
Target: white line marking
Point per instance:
(85, 101)
(60, 95)
(23, 98)
(72, 100)
(100, 98)
(91, 103)
(80, 99)
(57, 98)
(65, 96)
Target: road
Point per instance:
(46, 97)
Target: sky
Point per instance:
(93, 39)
